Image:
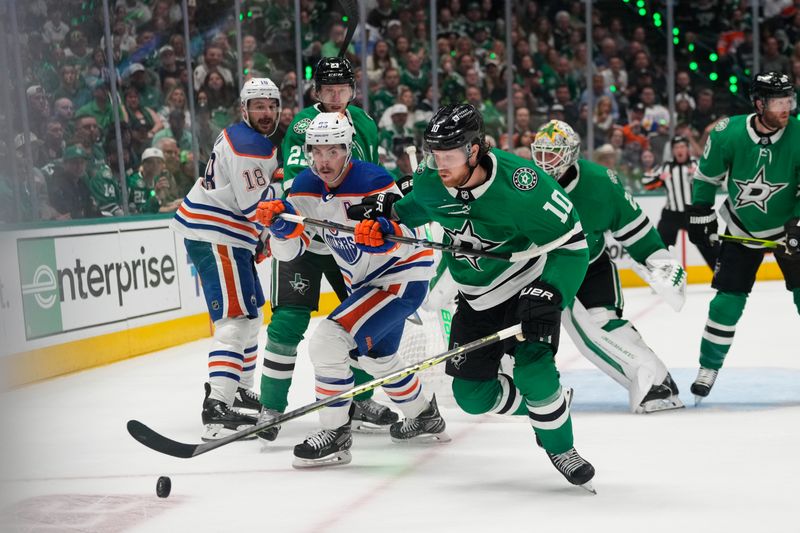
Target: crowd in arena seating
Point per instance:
(73, 146)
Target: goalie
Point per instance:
(595, 321)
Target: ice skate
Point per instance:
(703, 383)
(326, 447)
(220, 420)
(269, 434)
(247, 399)
(428, 426)
(663, 397)
(575, 468)
(368, 416)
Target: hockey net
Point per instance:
(423, 341)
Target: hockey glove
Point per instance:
(666, 276)
(793, 236)
(539, 312)
(372, 207)
(406, 184)
(267, 213)
(702, 225)
(370, 235)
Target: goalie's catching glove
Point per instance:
(666, 276)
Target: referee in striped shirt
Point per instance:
(676, 176)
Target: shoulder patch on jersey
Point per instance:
(612, 175)
(525, 178)
(301, 126)
(722, 124)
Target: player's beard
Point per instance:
(775, 120)
(456, 177)
(265, 126)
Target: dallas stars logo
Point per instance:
(756, 192)
(467, 238)
(298, 284)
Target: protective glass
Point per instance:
(781, 105)
(336, 94)
(445, 159)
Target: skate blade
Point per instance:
(588, 487)
(698, 400)
(359, 426)
(425, 438)
(216, 431)
(335, 459)
(654, 406)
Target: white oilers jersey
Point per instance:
(221, 207)
(312, 198)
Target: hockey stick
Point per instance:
(162, 444)
(351, 12)
(515, 257)
(750, 240)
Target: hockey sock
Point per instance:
(249, 365)
(284, 333)
(226, 357)
(498, 396)
(723, 314)
(536, 377)
(796, 293)
(276, 375)
(406, 392)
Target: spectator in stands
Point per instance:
(38, 109)
(176, 101)
(138, 113)
(71, 86)
(53, 140)
(655, 114)
(704, 114)
(148, 186)
(69, 195)
(772, 58)
(603, 121)
(145, 84)
(100, 106)
(379, 61)
(599, 89)
(175, 130)
(180, 183)
(386, 96)
(212, 59)
(55, 29)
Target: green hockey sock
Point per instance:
(284, 333)
(723, 314)
(498, 396)
(796, 294)
(361, 377)
(536, 377)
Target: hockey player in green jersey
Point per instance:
(295, 285)
(756, 158)
(595, 321)
(494, 201)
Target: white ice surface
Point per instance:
(730, 465)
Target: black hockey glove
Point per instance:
(372, 207)
(539, 312)
(793, 236)
(702, 225)
(406, 183)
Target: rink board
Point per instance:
(78, 296)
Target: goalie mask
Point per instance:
(555, 148)
(328, 146)
(256, 88)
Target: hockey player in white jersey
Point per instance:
(222, 236)
(384, 288)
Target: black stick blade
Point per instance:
(160, 443)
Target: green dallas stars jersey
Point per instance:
(365, 140)
(604, 205)
(518, 207)
(763, 180)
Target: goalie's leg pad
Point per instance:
(226, 358)
(724, 312)
(329, 348)
(537, 379)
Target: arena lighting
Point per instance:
(693, 65)
(733, 80)
(308, 72)
(713, 57)
(691, 47)
(642, 12)
(713, 76)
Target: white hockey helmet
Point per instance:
(259, 88)
(555, 147)
(328, 129)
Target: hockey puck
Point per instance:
(163, 486)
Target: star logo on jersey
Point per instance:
(525, 179)
(756, 191)
(551, 131)
(467, 238)
(298, 284)
(301, 126)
